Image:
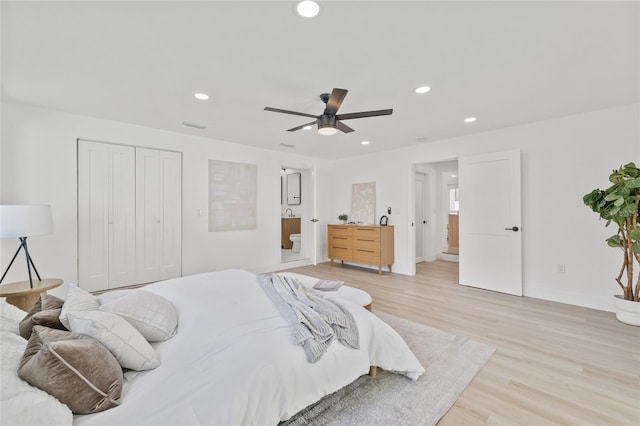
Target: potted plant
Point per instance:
(343, 218)
(618, 204)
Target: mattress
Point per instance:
(233, 362)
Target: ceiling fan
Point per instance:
(329, 122)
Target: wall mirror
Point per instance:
(293, 189)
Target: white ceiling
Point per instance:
(506, 63)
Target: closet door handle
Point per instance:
(513, 228)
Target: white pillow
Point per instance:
(77, 300)
(152, 315)
(20, 403)
(125, 342)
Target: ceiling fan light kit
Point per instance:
(327, 125)
(329, 122)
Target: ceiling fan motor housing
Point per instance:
(327, 121)
(327, 125)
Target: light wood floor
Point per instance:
(554, 364)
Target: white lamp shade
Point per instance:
(25, 220)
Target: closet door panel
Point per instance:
(122, 255)
(171, 211)
(93, 216)
(148, 218)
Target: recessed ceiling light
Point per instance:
(470, 119)
(201, 96)
(365, 142)
(422, 89)
(307, 9)
(307, 128)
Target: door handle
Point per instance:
(424, 221)
(314, 220)
(513, 228)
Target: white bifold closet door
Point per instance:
(106, 215)
(129, 215)
(158, 215)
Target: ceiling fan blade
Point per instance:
(364, 114)
(300, 127)
(284, 111)
(335, 100)
(343, 127)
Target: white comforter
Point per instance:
(233, 362)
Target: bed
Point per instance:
(232, 361)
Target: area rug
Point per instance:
(451, 362)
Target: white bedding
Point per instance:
(232, 361)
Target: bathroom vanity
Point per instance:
(288, 226)
(371, 245)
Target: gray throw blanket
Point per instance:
(315, 320)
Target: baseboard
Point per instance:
(449, 257)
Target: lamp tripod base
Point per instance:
(30, 264)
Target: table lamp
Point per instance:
(22, 221)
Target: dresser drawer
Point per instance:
(337, 240)
(367, 242)
(340, 252)
(366, 232)
(340, 231)
(368, 256)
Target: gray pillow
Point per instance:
(74, 368)
(46, 312)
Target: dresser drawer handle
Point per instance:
(367, 251)
(341, 248)
(339, 238)
(365, 229)
(362, 239)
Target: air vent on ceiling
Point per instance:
(194, 125)
(286, 145)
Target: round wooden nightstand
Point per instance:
(20, 294)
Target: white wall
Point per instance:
(38, 159)
(562, 159)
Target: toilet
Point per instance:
(295, 239)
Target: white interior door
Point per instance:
(171, 211)
(106, 215)
(93, 214)
(490, 221)
(148, 212)
(122, 216)
(159, 214)
(419, 216)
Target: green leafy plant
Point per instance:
(343, 217)
(619, 204)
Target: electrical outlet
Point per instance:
(560, 268)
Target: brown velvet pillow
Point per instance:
(74, 368)
(46, 312)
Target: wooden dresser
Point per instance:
(371, 245)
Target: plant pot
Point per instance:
(627, 311)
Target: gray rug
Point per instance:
(451, 362)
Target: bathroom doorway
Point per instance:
(296, 208)
(436, 212)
